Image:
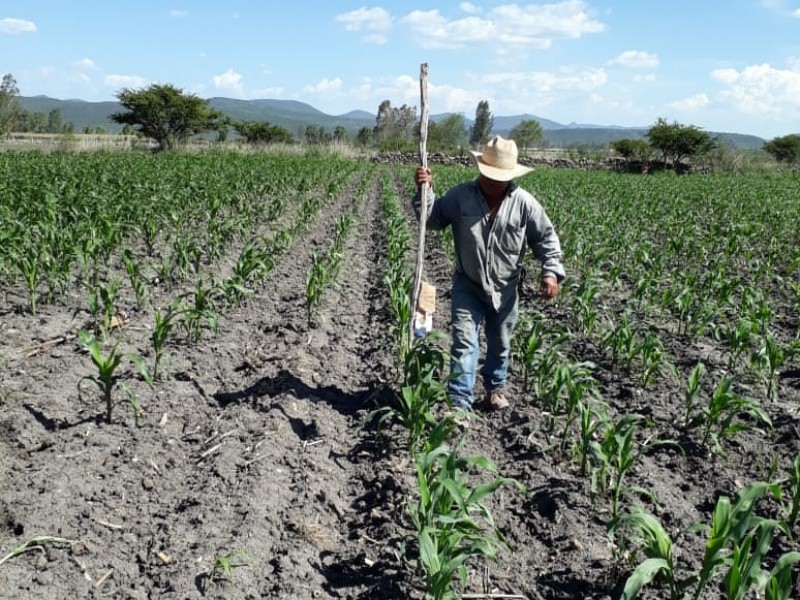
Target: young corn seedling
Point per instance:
(37, 544)
(109, 294)
(225, 564)
(527, 344)
(615, 454)
(747, 556)
(693, 388)
(106, 378)
(316, 277)
(164, 324)
(770, 356)
(593, 418)
(451, 521)
(137, 280)
(738, 338)
(657, 547)
(793, 483)
(719, 418)
(421, 392)
(200, 310)
(737, 541)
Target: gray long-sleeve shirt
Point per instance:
(490, 253)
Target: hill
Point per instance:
(294, 116)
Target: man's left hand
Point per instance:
(549, 287)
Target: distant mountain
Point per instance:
(295, 116)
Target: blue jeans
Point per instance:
(468, 314)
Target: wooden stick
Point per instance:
(424, 194)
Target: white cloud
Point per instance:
(727, 76)
(762, 90)
(125, 81)
(796, 14)
(324, 86)
(636, 59)
(178, 14)
(529, 25)
(86, 64)
(230, 81)
(366, 19)
(539, 82)
(14, 26)
(691, 103)
(470, 8)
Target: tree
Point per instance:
(262, 132)
(785, 149)
(9, 105)
(482, 127)
(448, 134)
(340, 134)
(364, 136)
(394, 127)
(632, 149)
(527, 134)
(165, 114)
(676, 141)
(54, 121)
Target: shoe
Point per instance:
(496, 400)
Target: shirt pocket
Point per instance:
(512, 239)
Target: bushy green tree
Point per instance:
(527, 134)
(785, 149)
(676, 141)
(448, 134)
(482, 127)
(632, 149)
(262, 132)
(166, 114)
(364, 136)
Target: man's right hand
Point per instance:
(423, 176)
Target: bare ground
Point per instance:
(252, 454)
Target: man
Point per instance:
(493, 220)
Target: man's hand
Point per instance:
(549, 287)
(423, 176)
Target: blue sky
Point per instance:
(722, 65)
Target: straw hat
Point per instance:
(498, 161)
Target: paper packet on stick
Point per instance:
(423, 314)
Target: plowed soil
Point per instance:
(251, 454)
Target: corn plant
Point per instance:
(593, 419)
(225, 564)
(770, 356)
(164, 324)
(200, 310)
(794, 492)
(29, 263)
(451, 521)
(37, 544)
(738, 542)
(422, 391)
(719, 419)
(108, 294)
(316, 277)
(738, 338)
(106, 378)
(135, 277)
(693, 388)
(614, 455)
(527, 342)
